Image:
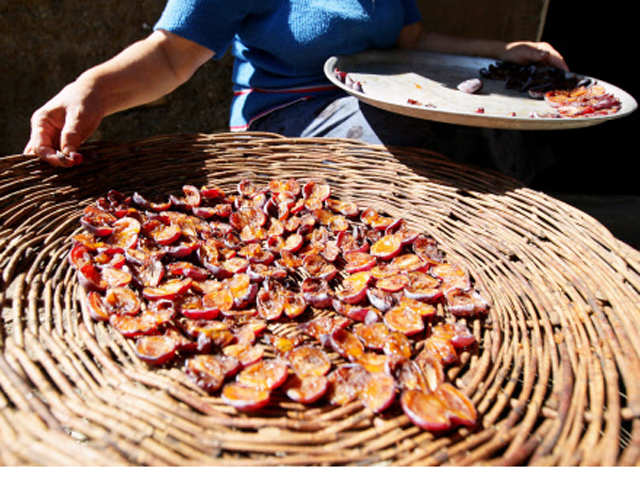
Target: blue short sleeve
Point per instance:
(210, 23)
(411, 12)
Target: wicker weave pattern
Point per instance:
(556, 377)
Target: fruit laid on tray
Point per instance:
(570, 95)
(202, 281)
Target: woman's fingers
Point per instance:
(534, 52)
(61, 126)
(44, 140)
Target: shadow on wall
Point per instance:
(47, 44)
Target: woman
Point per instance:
(279, 48)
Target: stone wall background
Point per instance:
(45, 44)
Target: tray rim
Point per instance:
(487, 120)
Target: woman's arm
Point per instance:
(143, 72)
(414, 36)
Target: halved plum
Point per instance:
(330, 252)
(379, 392)
(149, 274)
(156, 349)
(161, 233)
(346, 208)
(283, 344)
(293, 243)
(230, 365)
(98, 221)
(359, 261)
(316, 292)
(88, 241)
(315, 193)
(193, 307)
(192, 195)
(410, 376)
(345, 383)
(466, 303)
(252, 234)
(359, 313)
(373, 335)
(208, 334)
(255, 253)
(405, 320)
(457, 333)
(431, 369)
(211, 192)
(169, 289)
(90, 277)
(133, 326)
(373, 219)
(393, 283)
(424, 287)
(246, 188)
(187, 269)
(352, 241)
(425, 410)
(276, 228)
(380, 299)
(306, 390)
(96, 307)
(222, 210)
(245, 354)
(346, 344)
(243, 291)
(270, 304)
(425, 310)
(218, 296)
(289, 260)
(400, 227)
(142, 202)
(251, 216)
(324, 326)
(427, 249)
(264, 375)
(373, 362)
(317, 267)
(407, 262)
(106, 258)
(387, 247)
(125, 233)
(442, 349)
(122, 300)
(115, 277)
(453, 277)
(397, 344)
(183, 343)
(182, 248)
(294, 304)
(354, 287)
(244, 398)
(291, 224)
(289, 186)
(308, 360)
(460, 410)
(207, 371)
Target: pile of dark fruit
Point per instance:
(535, 79)
(201, 281)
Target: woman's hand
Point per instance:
(60, 126)
(414, 36)
(141, 73)
(533, 52)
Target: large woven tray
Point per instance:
(556, 377)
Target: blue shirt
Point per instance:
(280, 46)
